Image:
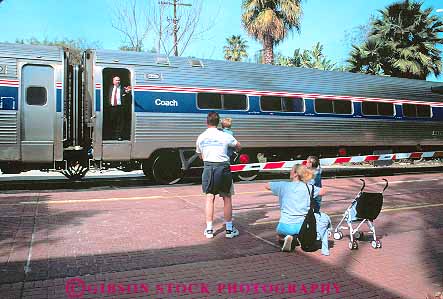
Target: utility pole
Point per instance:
(161, 28)
(175, 21)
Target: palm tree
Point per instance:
(236, 48)
(270, 21)
(366, 58)
(402, 43)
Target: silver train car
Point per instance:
(279, 113)
(33, 84)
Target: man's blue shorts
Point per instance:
(216, 178)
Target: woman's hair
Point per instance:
(303, 173)
(314, 160)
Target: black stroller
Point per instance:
(365, 208)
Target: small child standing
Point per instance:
(323, 220)
(313, 163)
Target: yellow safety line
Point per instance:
(117, 199)
(383, 210)
(89, 200)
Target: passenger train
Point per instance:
(53, 114)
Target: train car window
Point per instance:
(409, 110)
(375, 108)
(342, 107)
(292, 105)
(268, 103)
(324, 106)
(385, 109)
(369, 108)
(36, 96)
(209, 101)
(234, 102)
(423, 111)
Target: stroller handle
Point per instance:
(386, 186)
(364, 184)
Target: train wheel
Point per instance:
(147, 168)
(75, 170)
(167, 168)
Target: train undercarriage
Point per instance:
(169, 166)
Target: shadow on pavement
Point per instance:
(245, 260)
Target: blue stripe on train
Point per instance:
(172, 102)
(97, 99)
(8, 98)
(58, 102)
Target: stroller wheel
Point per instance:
(374, 244)
(378, 243)
(358, 235)
(338, 235)
(353, 245)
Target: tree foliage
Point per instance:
(313, 58)
(402, 43)
(131, 20)
(235, 50)
(270, 21)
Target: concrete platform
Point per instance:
(148, 242)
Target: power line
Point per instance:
(174, 21)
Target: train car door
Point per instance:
(37, 113)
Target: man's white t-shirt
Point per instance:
(213, 145)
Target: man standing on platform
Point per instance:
(212, 145)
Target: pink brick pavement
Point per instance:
(153, 236)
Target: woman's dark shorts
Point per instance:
(217, 178)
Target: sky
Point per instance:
(327, 22)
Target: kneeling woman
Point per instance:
(294, 198)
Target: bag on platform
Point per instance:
(308, 231)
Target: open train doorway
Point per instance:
(117, 104)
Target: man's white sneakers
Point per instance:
(232, 233)
(209, 233)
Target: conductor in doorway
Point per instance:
(118, 99)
